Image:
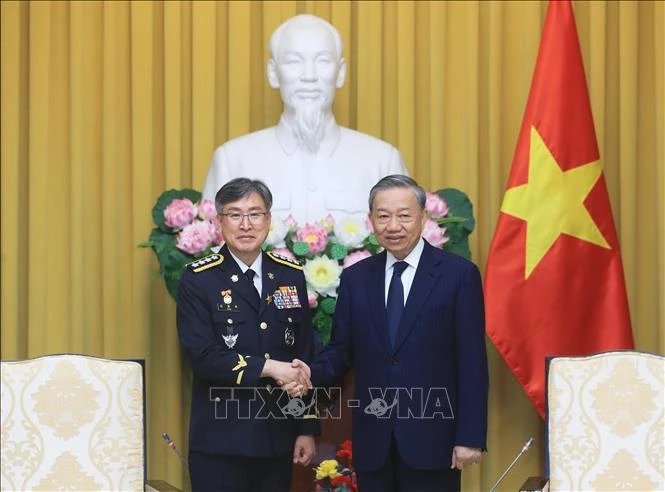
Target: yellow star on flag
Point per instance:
(552, 203)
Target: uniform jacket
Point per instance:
(437, 368)
(227, 335)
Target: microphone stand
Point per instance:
(171, 444)
(525, 448)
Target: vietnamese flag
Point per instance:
(554, 281)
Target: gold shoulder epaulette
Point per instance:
(205, 263)
(284, 260)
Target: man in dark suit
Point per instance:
(240, 314)
(411, 322)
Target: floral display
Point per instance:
(337, 476)
(186, 228)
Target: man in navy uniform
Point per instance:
(411, 322)
(242, 316)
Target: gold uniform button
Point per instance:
(218, 399)
(267, 355)
(263, 325)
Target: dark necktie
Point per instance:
(395, 304)
(249, 273)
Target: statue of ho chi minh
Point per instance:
(312, 165)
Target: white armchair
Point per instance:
(72, 422)
(605, 422)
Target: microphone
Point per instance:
(525, 448)
(171, 444)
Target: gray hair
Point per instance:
(304, 20)
(398, 181)
(239, 188)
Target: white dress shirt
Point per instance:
(409, 272)
(257, 266)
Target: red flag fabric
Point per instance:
(554, 282)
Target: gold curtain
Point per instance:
(107, 104)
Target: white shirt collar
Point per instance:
(289, 143)
(256, 266)
(412, 258)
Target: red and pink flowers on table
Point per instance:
(335, 476)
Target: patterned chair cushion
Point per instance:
(71, 422)
(605, 424)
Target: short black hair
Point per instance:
(398, 181)
(238, 188)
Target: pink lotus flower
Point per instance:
(195, 238)
(355, 257)
(434, 234)
(315, 236)
(291, 223)
(370, 226)
(436, 206)
(284, 252)
(179, 213)
(313, 300)
(207, 209)
(328, 223)
(218, 237)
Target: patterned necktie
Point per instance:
(249, 273)
(395, 304)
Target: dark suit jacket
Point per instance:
(234, 410)
(437, 369)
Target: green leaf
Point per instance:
(327, 305)
(166, 198)
(459, 205)
(338, 251)
(323, 325)
(300, 248)
(459, 223)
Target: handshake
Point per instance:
(293, 377)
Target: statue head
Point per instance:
(307, 66)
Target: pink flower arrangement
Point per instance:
(355, 257)
(207, 210)
(179, 213)
(436, 206)
(313, 300)
(196, 237)
(315, 236)
(328, 223)
(434, 234)
(291, 223)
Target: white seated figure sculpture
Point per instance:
(312, 165)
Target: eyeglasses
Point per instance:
(253, 217)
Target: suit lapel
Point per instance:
(376, 292)
(240, 286)
(426, 277)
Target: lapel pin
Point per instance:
(234, 278)
(271, 276)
